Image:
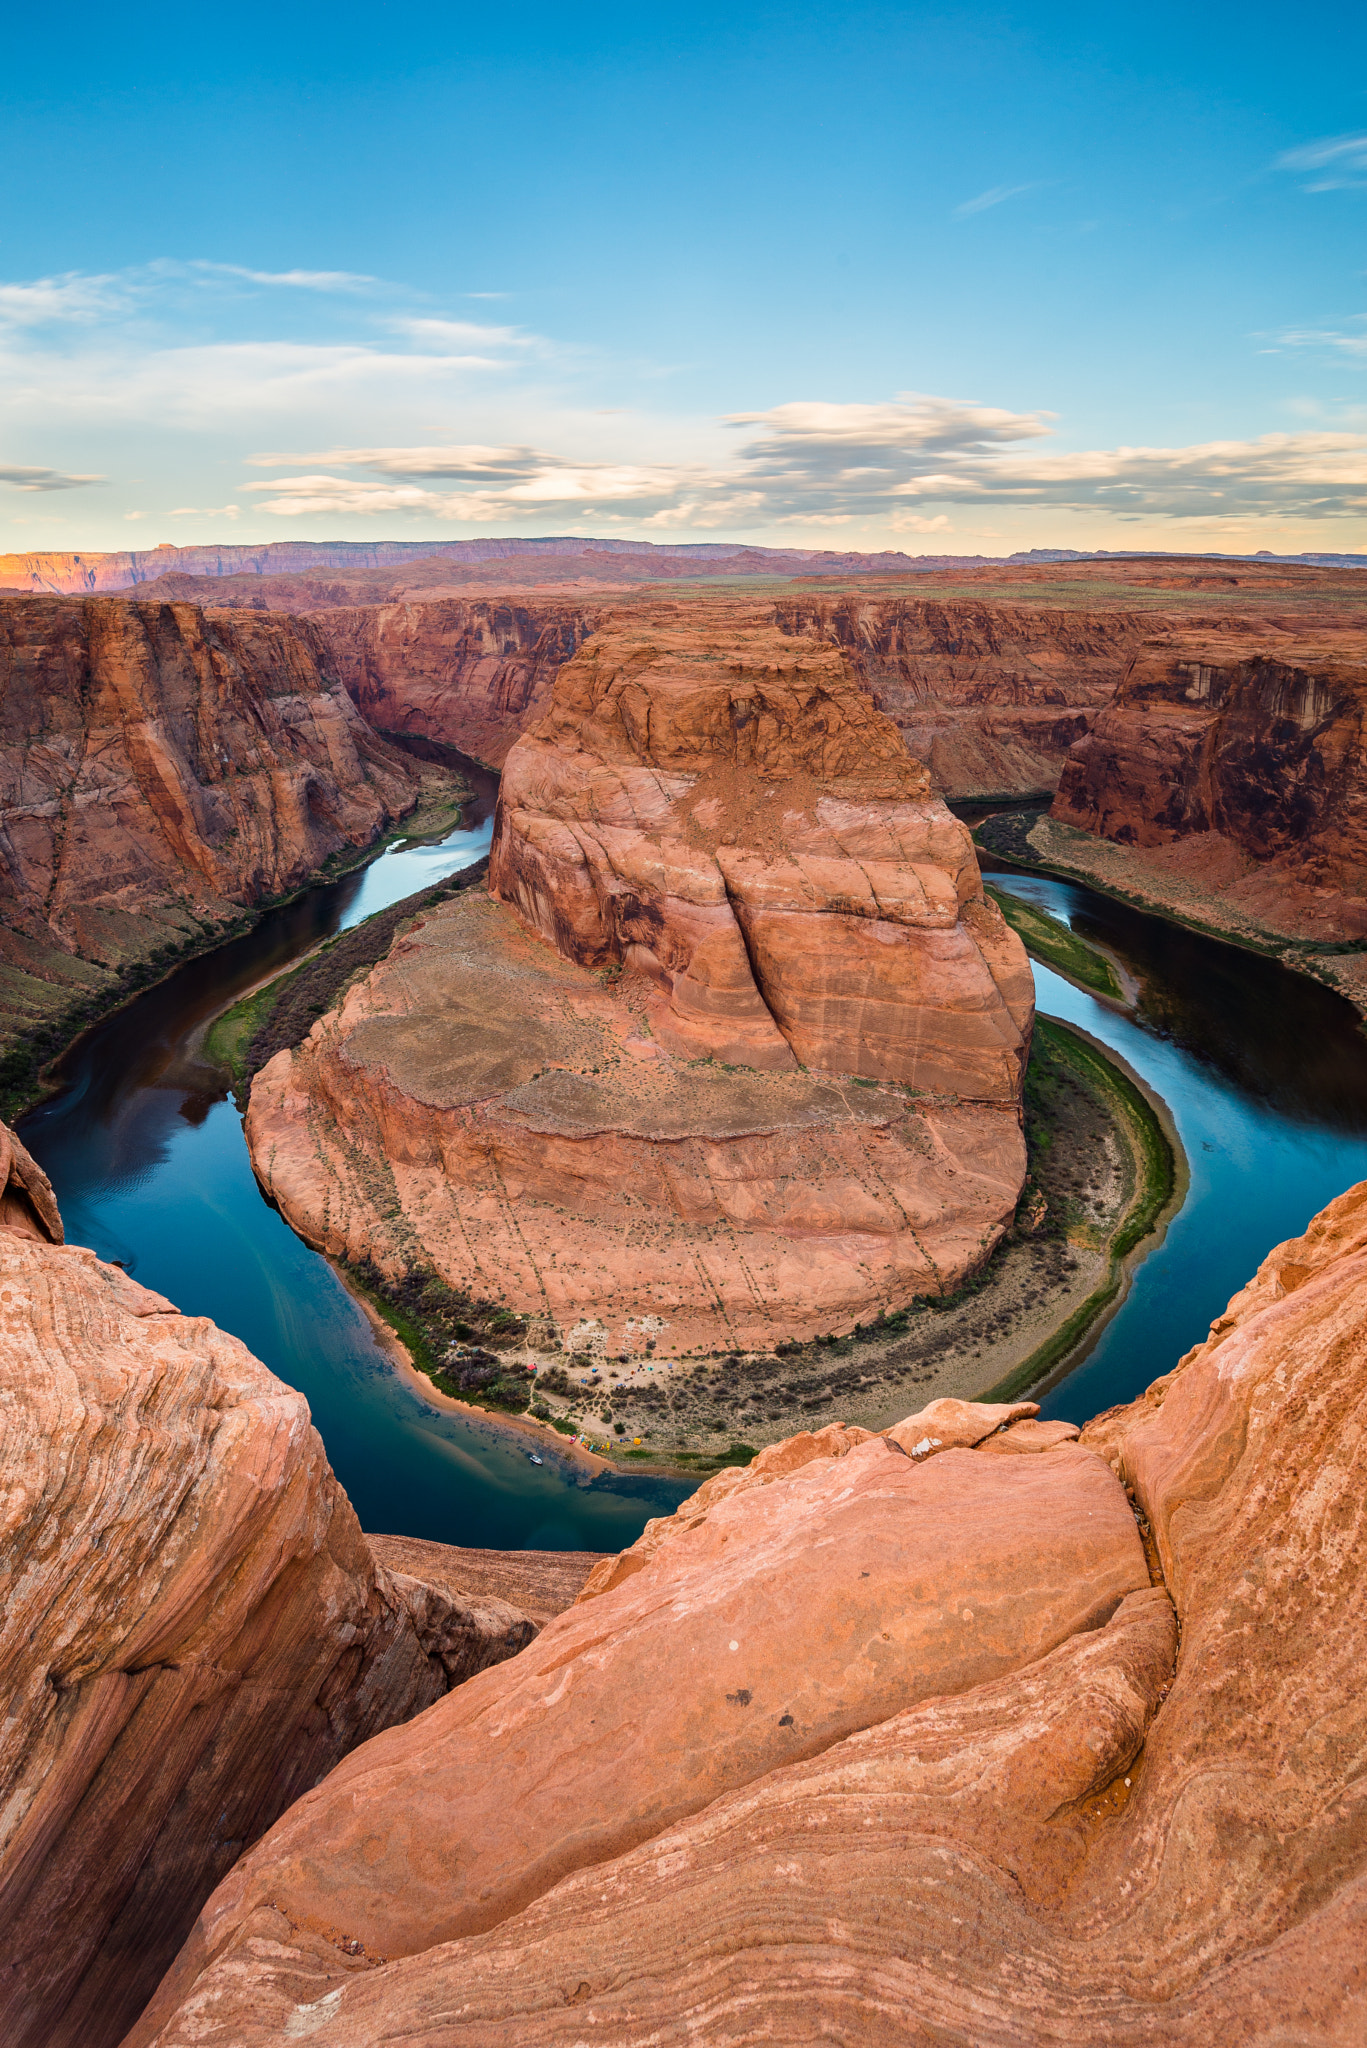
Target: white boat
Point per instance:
(536, 1457)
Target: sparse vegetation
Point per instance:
(1046, 938)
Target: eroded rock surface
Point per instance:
(193, 1630)
(810, 1603)
(1244, 755)
(731, 819)
(1141, 1824)
(162, 767)
(745, 1054)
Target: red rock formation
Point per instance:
(65, 572)
(990, 696)
(1250, 739)
(466, 674)
(755, 907)
(723, 812)
(193, 1630)
(792, 1613)
(1116, 1833)
(160, 768)
(27, 1203)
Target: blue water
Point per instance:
(150, 1167)
(1265, 1074)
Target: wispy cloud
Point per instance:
(1336, 163)
(297, 280)
(24, 479)
(72, 296)
(822, 464)
(1338, 339)
(996, 195)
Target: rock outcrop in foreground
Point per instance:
(740, 1050)
(193, 1630)
(890, 1739)
(1245, 756)
(161, 768)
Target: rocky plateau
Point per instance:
(734, 1049)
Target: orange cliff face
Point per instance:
(1244, 753)
(730, 818)
(737, 1049)
(162, 767)
(989, 696)
(466, 673)
(193, 1629)
(974, 1731)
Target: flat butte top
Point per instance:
(483, 1009)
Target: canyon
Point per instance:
(162, 769)
(975, 1724)
(1237, 760)
(732, 1052)
(194, 1632)
(980, 1727)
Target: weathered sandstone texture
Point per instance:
(764, 1079)
(1027, 1796)
(193, 1630)
(732, 820)
(538, 1583)
(1246, 757)
(989, 696)
(461, 673)
(788, 1612)
(162, 767)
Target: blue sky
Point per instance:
(940, 279)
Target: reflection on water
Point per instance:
(1265, 1072)
(150, 1168)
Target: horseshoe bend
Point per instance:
(737, 1041)
(958, 1722)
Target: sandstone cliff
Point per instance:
(162, 767)
(1251, 746)
(890, 1739)
(763, 1080)
(193, 1630)
(467, 674)
(990, 696)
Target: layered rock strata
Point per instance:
(162, 767)
(1026, 1795)
(764, 1079)
(193, 1630)
(1246, 757)
(470, 675)
(732, 820)
(989, 696)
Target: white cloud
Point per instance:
(820, 464)
(70, 297)
(994, 196)
(203, 512)
(1329, 337)
(1336, 163)
(462, 334)
(297, 280)
(24, 479)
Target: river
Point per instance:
(1265, 1074)
(1264, 1071)
(146, 1153)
